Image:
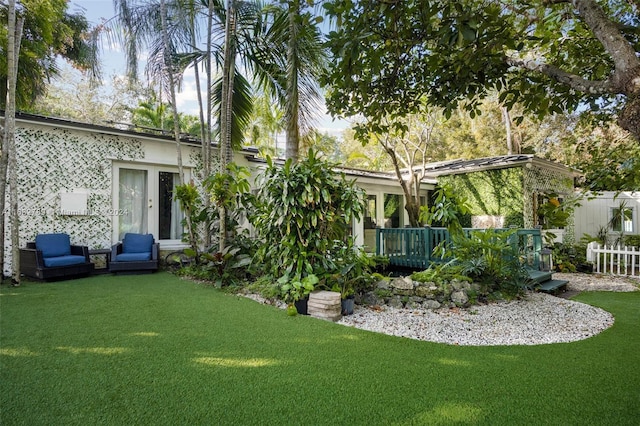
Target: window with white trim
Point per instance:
(621, 219)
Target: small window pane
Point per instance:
(622, 219)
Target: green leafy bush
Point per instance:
(301, 210)
(297, 289)
(348, 268)
(231, 190)
(440, 274)
(486, 257)
(632, 240)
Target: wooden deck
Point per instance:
(413, 248)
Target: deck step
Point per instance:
(539, 276)
(552, 286)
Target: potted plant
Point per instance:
(346, 288)
(296, 291)
(354, 268)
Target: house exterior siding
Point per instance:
(594, 214)
(55, 160)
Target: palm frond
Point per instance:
(242, 106)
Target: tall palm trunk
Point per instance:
(226, 108)
(8, 162)
(206, 139)
(292, 101)
(168, 63)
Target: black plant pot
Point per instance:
(301, 306)
(348, 305)
(585, 267)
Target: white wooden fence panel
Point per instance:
(614, 260)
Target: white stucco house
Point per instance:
(97, 182)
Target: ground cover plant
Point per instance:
(158, 349)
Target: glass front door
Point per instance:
(145, 202)
(169, 213)
(133, 198)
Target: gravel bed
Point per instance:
(598, 282)
(536, 319)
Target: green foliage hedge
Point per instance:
(491, 192)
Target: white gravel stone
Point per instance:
(537, 319)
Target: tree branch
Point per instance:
(572, 80)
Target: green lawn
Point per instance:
(157, 350)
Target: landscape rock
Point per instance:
(425, 291)
(402, 284)
(460, 297)
(431, 304)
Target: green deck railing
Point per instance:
(413, 247)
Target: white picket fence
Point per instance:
(614, 260)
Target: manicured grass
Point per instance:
(158, 350)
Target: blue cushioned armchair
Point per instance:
(53, 256)
(137, 253)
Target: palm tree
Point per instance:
(229, 96)
(168, 66)
(265, 123)
(241, 35)
(296, 30)
(149, 24)
(8, 140)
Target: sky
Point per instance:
(113, 63)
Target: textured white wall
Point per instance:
(594, 214)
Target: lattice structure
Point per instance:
(539, 180)
(52, 161)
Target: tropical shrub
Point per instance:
(632, 240)
(348, 268)
(448, 209)
(490, 259)
(191, 204)
(230, 190)
(301, 210)
(487, 257)
(297, 288)
(440, 274)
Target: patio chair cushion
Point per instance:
(137, 243)
(67, 260)
(133, 257)
(54, 245)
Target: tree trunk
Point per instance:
(507, 126)
(292, 108)
(168, 63)
(226, 108)
(9, 158)
(629, 118)
(206, 139)
(410, 206)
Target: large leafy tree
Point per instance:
(550, 57)
(71, 94)
(409, 154)
(49, 32)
